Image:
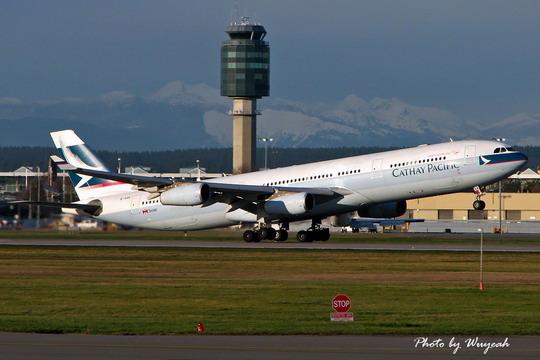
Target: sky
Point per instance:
(477, 59)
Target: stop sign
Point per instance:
(341, 303)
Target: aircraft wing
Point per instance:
(264, 191)
(227, 191)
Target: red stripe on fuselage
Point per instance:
(103, 185)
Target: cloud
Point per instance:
(10, 101)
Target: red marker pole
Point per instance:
(200, 328)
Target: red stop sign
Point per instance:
(341, 303)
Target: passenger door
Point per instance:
(376, 172)
(470, 154)
(135, 204)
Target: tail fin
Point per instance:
(77, 154)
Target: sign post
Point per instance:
(341, 304)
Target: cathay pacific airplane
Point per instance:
(375, 185)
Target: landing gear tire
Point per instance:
(251, 236)
(479, 205)
(313, 235)
(271, 235)
(267, 233)
(263, 233)
(281, 235)
(325, 234)
(304, 236)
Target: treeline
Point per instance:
(214, 160)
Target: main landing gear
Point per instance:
(266, 233)
(478, 204)
(314, 233)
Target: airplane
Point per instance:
(375, 186)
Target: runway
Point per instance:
(54, 346)
(360, 246)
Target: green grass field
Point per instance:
(236, 235)
(167, 291)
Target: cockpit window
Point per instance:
(503, 149)
(497, 150)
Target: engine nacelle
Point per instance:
(385, 210)
(186, 195)
(341, 219)
(95, 212)
(294, 204)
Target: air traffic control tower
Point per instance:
(245, 69)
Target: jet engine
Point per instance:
(186, 195)
(293, 204)
(341, 219)
(384, 210)
(98, 209)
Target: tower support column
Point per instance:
(244, 114)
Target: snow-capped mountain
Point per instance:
(181, 115)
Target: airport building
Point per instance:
(517, 200)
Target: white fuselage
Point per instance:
(364, 180)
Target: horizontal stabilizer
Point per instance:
(61, 163)
(89, 208)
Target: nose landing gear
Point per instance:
(478, 204)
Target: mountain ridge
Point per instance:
(181, 115)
